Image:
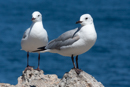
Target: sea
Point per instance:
(108, 61)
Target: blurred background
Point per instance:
(108, 60)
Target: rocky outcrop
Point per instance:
(71, 79)
(34, 78)
(6, 85)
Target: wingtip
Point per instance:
(42, 48)
(41, 51)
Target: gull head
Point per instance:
(36, 16)
(85, 19)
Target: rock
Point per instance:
(34, 78)
(71, 79)
(6, 85)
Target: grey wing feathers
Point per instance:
(26, 33)
(66, 35)
(63, 40)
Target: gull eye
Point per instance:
(86, 18)
(38, 15)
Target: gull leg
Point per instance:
(77, 70)
(28, 67)
(72, 58)
(77, 61)
(38, 62)
(27, 59)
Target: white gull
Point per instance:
(34, 37)
(74, 42)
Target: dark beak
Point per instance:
(78, 22)
(33, 19)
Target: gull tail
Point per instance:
(41, 49)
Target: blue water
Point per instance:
(108, 60)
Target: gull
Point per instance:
(74, 42)
(34, 37)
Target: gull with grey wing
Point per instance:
(74, 42)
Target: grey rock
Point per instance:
(6, 85)
(71, 79)
(34, 78)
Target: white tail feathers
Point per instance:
(44, 51)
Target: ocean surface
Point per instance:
(108, 60)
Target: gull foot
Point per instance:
(78, 70)
(28, 68)
(38, 69)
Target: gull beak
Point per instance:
(33, 19)
(78, 22)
